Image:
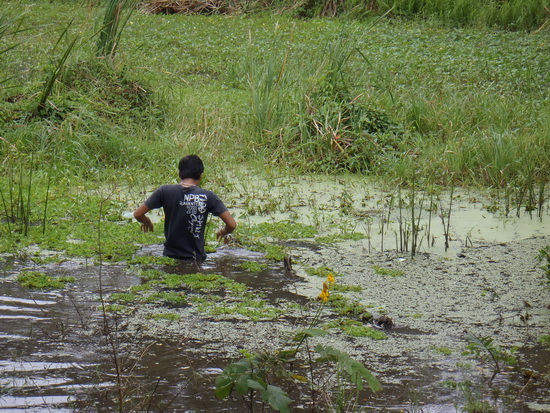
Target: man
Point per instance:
(186, 208)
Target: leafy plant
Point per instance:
(249, 376)
(484, 346)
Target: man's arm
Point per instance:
(139, 214)
(230, 224)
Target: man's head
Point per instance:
(191, 166)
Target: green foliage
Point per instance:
(201, 282)
(544, 340)
(117, 13)
(173, 298)
(444, 350)
(250, 375)
(253, 266)
(473, 398)
(512, 14)
(482, 347)
(349, 308)
(342, 288)
(165, 316)
(322, 271)
(281, 230)
(357, 329)
(387, 271)
(40, 280)
(356, 372)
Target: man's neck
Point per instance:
(189, 182)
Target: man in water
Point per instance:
(186, 208)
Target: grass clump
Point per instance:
(358, 330)
(40, 280)
(341, 288)
(544, 340)
(390, 272)
(322, 272)
(349, 308)
(173, 298)
(253, 266)
(202, 282)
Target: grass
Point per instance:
(459, 112)
(390, 272)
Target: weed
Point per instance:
(40, 280)
(390, 272)
(484, 346)
(322, 271)
(544, 258)
(347, 288)
(357, 329)
(446, 351)
(473, 398)
(544, 340)
(253, 266)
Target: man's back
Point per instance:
(186, 212)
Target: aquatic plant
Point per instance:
(261, 372)
(41, 280)
(474, 402)
(253, 266)
(390, 272)
(484, 346)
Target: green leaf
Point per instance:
(277, 398)
(256, 385)
(241, 385)
(309, 332)
(224, 386)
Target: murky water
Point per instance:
(54, 356)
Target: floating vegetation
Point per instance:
(40, 280)
(253, 266)
(322, 271)
(390, 272)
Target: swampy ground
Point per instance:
(407, 159)
(141, 333)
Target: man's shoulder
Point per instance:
(169, 188)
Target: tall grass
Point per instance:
(115, 17)
(319, 95)
(510, 14)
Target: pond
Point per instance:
(471, 272)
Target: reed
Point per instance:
(115, 17)
(56, 72)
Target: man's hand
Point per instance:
(147, 227)
(230, 226)
(139, 214)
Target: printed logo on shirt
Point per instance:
(196, 208)
(195, 203)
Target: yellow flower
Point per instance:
(331, 279)
(324, 296)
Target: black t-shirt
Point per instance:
(186, 211)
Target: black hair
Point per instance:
(191, 166)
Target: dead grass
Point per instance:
(186, 7)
